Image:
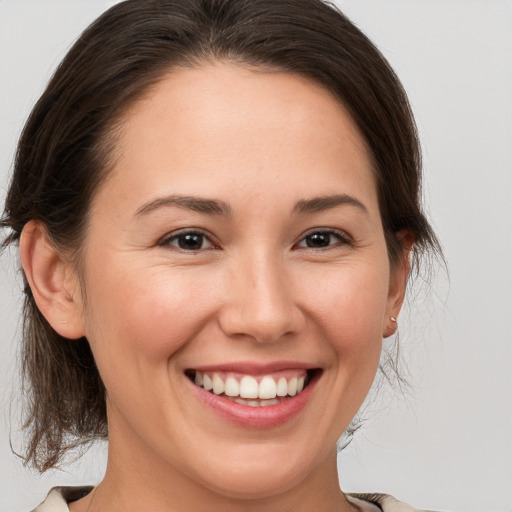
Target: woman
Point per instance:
(217, 206)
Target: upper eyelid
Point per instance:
(325, 229)
(185, 231)
(340, 232)
(344, 240)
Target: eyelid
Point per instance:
(343, 237)
(166, 239)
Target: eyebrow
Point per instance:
(320, 204)
(216, 207)
(197, 204)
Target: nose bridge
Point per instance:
(260, 304)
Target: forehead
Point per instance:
(201, 128)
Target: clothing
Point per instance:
(386, 502)
(59, 497)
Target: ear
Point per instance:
(398, 283)
(53, 281)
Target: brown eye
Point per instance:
(318, 240)
(322, 239)
(189, 241)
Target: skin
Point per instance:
(260, 142)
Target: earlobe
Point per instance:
(398, 283)
(52, 280)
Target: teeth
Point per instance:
(207, 383)
(292, 387)
(218, 384)
(248, 390)
(232, 387)
(256, 403)
(282, 387)
(267, 388)
(249, 387)
(300, 384)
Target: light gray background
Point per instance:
(447, 443)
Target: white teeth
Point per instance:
(267, 388)
(300, 384)
(282, 387)
(256, 403)
(292, 387)
(232, 387)
(249, 387)
(207, 383)
(218, 384)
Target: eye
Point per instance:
(323, 238)
(188, 241)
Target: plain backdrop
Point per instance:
(445, 442)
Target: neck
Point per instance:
(136, 481)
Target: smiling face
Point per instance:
(238, 240)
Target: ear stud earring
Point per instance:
(393, 319)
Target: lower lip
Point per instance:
(264, 417)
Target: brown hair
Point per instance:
(63, 153)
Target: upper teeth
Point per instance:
(247, 386)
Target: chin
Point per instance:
(259, 471)
(255, 482)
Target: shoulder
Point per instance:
(59, 497)
(386, 502)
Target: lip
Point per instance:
(256, 369)
(270, 416)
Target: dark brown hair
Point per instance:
(63, 153)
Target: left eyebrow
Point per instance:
(197, 204)
(320, 204)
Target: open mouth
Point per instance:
(253, 390)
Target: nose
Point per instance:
(259, 302)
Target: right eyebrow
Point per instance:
(197, 204)
(322, 203)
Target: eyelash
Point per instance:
(166, 240)
(342, 239)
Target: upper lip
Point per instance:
(253, 368)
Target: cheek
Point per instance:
(350, 308)
(352, 302)
(142, 318)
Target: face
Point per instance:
(236, 246)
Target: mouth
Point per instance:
(248, 390)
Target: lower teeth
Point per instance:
(254, 402)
